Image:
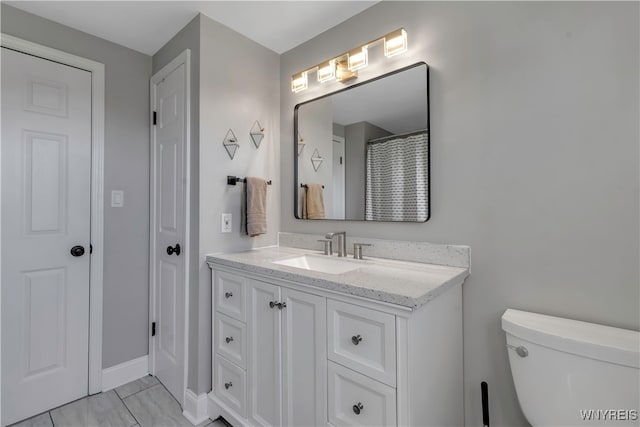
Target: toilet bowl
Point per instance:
(572, 373)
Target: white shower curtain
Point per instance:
(397, 178)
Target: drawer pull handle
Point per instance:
(229, 384)
(280, 305)
(357, 408)
(228, 339)
(228, 294)
(356, 339)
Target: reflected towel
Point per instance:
(314, 201)
(303, 202)
(256, 206)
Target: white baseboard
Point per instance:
(123, 373)
(195, 407)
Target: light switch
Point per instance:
(225, 225)
(117, 198)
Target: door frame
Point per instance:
(96, 260)
(182, 58)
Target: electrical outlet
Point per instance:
(225, 225)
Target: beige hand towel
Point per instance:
(314, 201)
(256, 206)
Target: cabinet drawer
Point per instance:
(362, 339)
(231, 339)
(230, 384)
(356, 400)
(230, 295)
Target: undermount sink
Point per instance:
(322, 264)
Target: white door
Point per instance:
(304, 359)
(168, 252)
(264, 367)
(46, 182)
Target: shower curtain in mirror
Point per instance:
(397, 178)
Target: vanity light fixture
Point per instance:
(345, 66)
(343, 74)
(358, 58)
(299, 82)
(395, 43)
(327, 71)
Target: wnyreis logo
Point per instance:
(609, 414)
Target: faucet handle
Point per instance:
(328, 246)
(357, 249)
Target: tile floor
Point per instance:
(141, 403)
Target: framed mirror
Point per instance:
(373, 138)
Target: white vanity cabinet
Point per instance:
(302, 355)
(287, 374)
(271, 370)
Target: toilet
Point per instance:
(572, 373)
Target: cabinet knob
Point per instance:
(227, 385)
(228, 294)
(282, 305)
(273, 304)
(228, 339)
(357, 408)
(356, 339)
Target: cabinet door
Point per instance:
(304, 359)
(264, 367)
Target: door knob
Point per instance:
(77, 251)
(357, 408)
(175, 250)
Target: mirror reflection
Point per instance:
(365, 152)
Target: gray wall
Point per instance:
(189, 38)
(534, 138)
(315, 124)
(238, 85)
(126, 167)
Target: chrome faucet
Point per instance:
(342, 241)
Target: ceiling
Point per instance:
(145, 26)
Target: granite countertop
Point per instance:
(409, 284)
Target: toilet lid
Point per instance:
(615, 345)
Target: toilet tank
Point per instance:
(572, 373)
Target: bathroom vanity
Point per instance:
(304, 339)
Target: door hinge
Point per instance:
(90, 249)
(155, 118)
(153, 329)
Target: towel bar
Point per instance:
(233, 180)
(306, 186)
